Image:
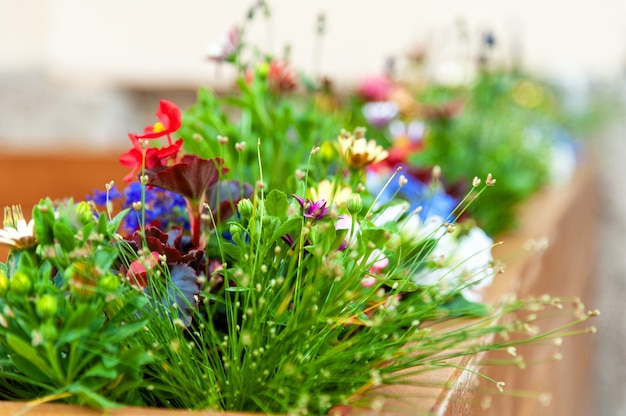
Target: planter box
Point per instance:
(566, 215)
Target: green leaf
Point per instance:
(101, 371)
(33, 358)
(276, 204)
(87, 396)
(65, 235)
(104, 257)
(373, 234)
(232, 250)
(287, 227)
(114, 223)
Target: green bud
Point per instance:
(49, 332)
(46, 306)
(263, 69)
(354, 204)
(20, 284)
(109, 283)
(267, 221)
(83, 212)
(245, 208)
(234, 229)
(43, 215)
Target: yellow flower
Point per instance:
(331, 192)
(17, 233)
(360, 152)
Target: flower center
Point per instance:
(158, 127)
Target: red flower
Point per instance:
(281, 77)
(155, 158)
(170, 120)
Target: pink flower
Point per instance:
(376, 88)
(137, 273)
(226, 47)
(313, 210)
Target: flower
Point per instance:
(17, 233)
(226, 47)
(170, 120)
(137, 273)
(313, 210)
(430, 198)
(155, 158)
(380, 113)
(460, 261)
(161, 208)
(281, 77)
(375, 88)
(360, 152)
(331, 191)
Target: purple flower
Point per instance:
(314, 210)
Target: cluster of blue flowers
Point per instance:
(162, 208)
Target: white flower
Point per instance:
(411, 227)
(226, 46)
(17, 233)
(465, 261)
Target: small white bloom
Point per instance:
(462, 261)
(17, 233)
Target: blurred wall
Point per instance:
(146, 41)
(62, 57)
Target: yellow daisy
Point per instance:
(360, 152)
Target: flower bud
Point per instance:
(46, 306)
(49, 332)
(109, 283)
(245, 208)
(263, 69)
(20, 284)
(354, 204)
(83, 212)
(234, 229)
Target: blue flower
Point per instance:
(432, 199)
(100, 197)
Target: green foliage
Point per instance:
(493, 134)
(66, 324)
(286, 126)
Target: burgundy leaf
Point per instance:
(190, 178)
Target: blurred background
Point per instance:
(77, 76)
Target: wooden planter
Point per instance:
(566, 215)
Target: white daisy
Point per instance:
(17, 233)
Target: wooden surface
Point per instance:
(28, 178)
(52, 409)
(566, 216)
